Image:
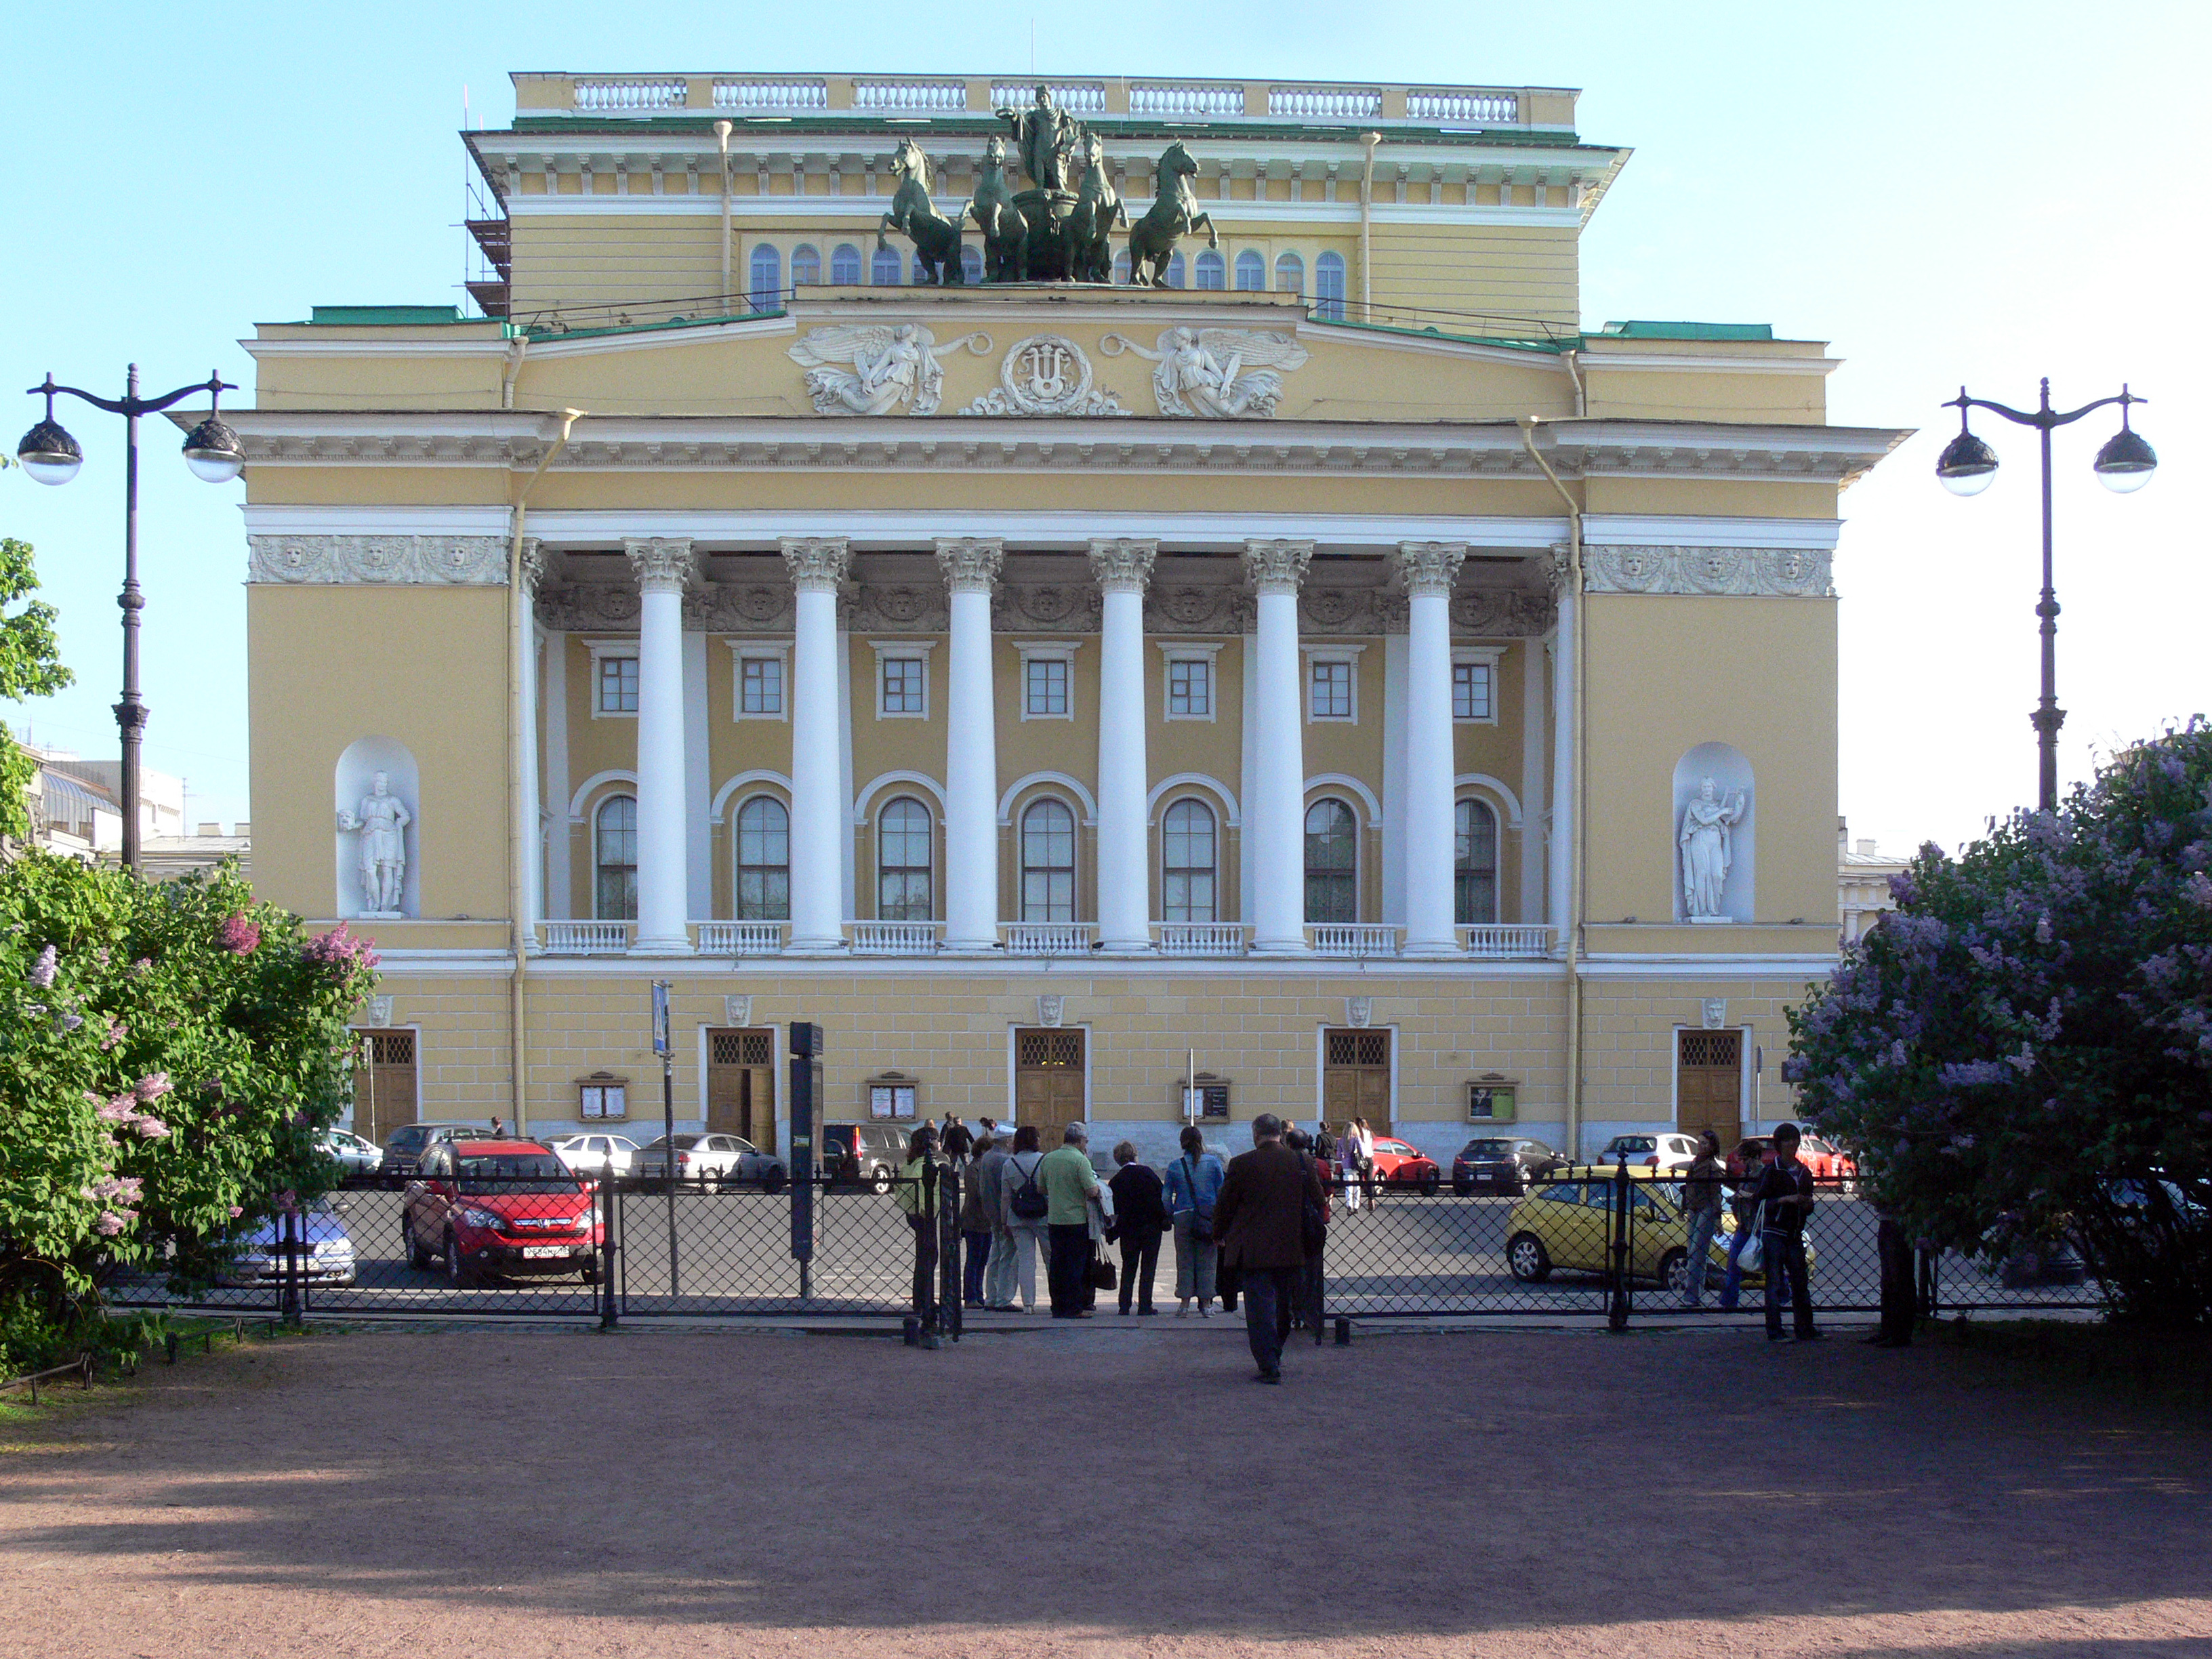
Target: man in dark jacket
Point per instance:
(1260, 1218)
(1786, 1196)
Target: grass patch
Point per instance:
(2169, 1367)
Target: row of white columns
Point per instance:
(1275, 815)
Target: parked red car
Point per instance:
(1827, 1161)
(500, 1209)
(1398, 1164)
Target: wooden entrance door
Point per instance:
(1708, 1084)
(741, 1083)
(1049, 1075)
(384, 1089)
(1355, 1078)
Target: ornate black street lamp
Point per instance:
(51, 456)
(1967, 466)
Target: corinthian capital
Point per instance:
(1430, 567)
(1560, 568)
(533, 565)
(1122, 564)
(1277, 567)
(817, 564)
(970, 564)
(662, 564)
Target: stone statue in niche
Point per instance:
(1708, 848)
(382, 819)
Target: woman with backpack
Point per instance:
(1024, 1211)
(1193, 1183)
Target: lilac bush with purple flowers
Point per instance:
(2023, 1048)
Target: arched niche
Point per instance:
(1710, 836)
(353, 783)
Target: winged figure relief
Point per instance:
(877, 369)
(1217, 371)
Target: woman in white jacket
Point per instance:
(1031, 1239)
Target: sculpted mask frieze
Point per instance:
(900, 608)
(384, 561)
(1066, 608)
(734, 608)
(586, 607)
(877, 369)
(1501, 613)
(1218, 372)
(1190, 608)
(1785, 572)
(1045, 374)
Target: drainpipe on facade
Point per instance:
(522, 836)
(722, 137)
(515, 350)
(1574, 916)
(1366, 217)
(1573, 361)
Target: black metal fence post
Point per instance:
(607, 1265)
(289, 1308)
(951, 1280)
(925, 1254)
(1616, 1312)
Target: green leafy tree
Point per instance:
(168, 1055)
(30, 666)
(2023, 1048)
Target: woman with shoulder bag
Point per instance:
(1193, 1183)
(1023, 1210)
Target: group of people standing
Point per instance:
(1772, 1197)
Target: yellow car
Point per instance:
(1568, 1223)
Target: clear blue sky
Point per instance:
(1945, 193)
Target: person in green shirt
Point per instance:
(1070, 1185)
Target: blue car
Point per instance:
(326, 1255)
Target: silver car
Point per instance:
(710, 1160)
(353, 1153)
(595, 1154)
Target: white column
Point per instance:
(1276, 814)
(1428, 570)
(819, 809)
(533, 850)
(1125, 887)
(971, 749)
(664, 567)
(1559, 863)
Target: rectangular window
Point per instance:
(905, 691)
(1471, 692)
(760, 686)
(618, 685)
(1190, 687)
(1045, 683)
(1332, 691)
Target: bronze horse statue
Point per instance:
(1098, 209)
(1174, 213)
(936, 241)
(1006, 232)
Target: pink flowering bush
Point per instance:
(2023, 1048)
(169, 1056)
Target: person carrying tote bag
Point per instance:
(1194, 1182)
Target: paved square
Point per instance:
(1101, 1491)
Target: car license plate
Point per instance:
(535, 1251)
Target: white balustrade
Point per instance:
(916, 95)
(1198, 939)
(739, 939)
(1186, 98)
(1328, 103)
(585, 939)
(771, 94)
(1506, 941)
(1077, 97)
(618, 95)
(893, 939)
(1049, 938)
(1463, 105)
(1352, 938)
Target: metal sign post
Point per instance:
(806, 1047)
(665, 1050)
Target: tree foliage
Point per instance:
(169, 1054)
(2023, 1048)
(30, 666)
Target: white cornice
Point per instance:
(358, 346)
(1594, 361)
(862, 211)
(1667, 530)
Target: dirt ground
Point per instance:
(1099, 1492)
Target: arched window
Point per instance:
(614, 855)
(763, 860)
(1187, 863)
(1121, 269)
(971, 265)
(767, 287)
(805, 265)
(1328, 286)
(884, 269)
(1175, 271)
(1475, 879)
(1048, 863)
(1290, 274)
(1211, 271)
(1251, 271)
(845, 266)
(903, 863)
(1331, 863)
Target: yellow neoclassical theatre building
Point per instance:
(1328, 661)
